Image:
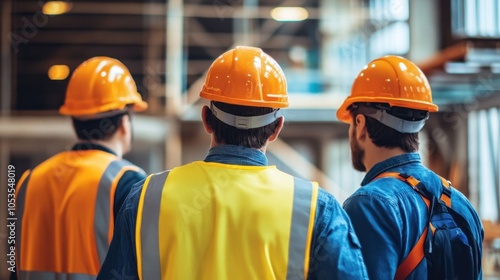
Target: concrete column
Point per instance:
(424, 29)
(174, 57)
(174, 77)
(243, 25)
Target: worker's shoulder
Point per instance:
(327, 200)
(331, 218)
(461, 204)
(383, 194)
(383, 188)
(73, 158)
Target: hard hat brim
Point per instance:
(343, 114)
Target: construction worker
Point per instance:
(66, 206)
(231, 216)
(389, 103)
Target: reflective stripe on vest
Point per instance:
(302, 215)
(149, 230)
(105, 198)
(64, 258)
(300, 229)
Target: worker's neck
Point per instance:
(113, 145)
(214, 143)
(374, 155)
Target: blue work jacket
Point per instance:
(389, 216)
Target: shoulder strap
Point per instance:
(416, 254)
(446, 195)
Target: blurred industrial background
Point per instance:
(321, 45)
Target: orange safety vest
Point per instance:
(65, 214)
(207, 220)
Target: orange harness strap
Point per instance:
(416, 254)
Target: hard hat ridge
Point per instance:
(246, 76)
(98, 85)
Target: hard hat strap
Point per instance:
(398, 124)
(241, 122)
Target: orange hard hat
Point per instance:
(393, 80)
(246, 76)
(99, 85)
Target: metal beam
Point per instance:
(137, 38)
(159, 9)
(146, 129)
(94, 37)
(198, 36)
(107, 8)
(41, 65)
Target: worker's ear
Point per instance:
(125, 125)
(274, 136)
(206, 125)
(360, 126)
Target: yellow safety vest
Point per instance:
(65, 214)
(217, 221)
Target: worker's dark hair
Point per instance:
(384, 136)
(251, 138)
(98, 129)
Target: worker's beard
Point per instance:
(357, 152)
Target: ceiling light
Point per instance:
(58, 72)
(56, 7)
(289, 14)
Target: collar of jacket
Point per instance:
(83, 146)
(236, 155)
(389, 164)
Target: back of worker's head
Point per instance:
(231, 135)
(100, 93)
(101, 129)
(395, 97)
(246, 88)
